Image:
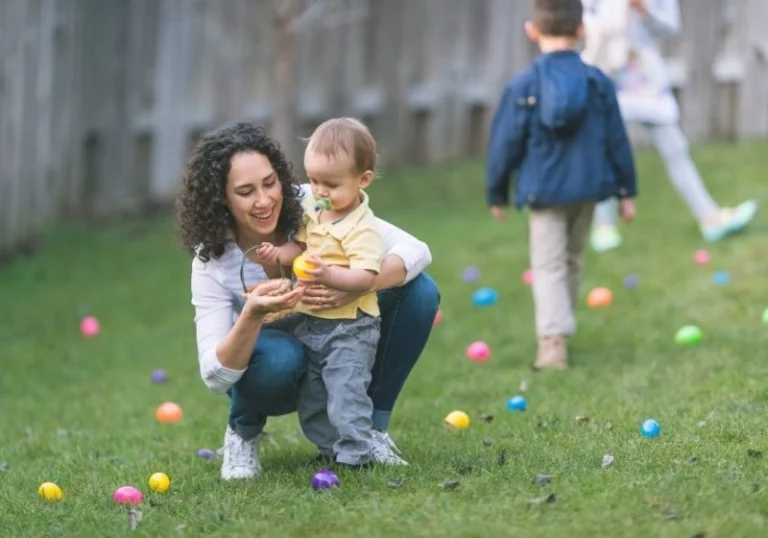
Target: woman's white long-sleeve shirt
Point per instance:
(217, 295)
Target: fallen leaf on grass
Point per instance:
(395, 482)
(585, 420)
(134, 518)
(449, 485)
(607, 460)
(542, 479)
(547, 499)
(485, 417)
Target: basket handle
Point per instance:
(242, 268)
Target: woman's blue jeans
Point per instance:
(270, 385)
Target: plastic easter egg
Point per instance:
(50, 492)
(206, 453)
(690, 335)
(527, 277)
(159, 482)
(600, 298)
(128, 495)
(301, 265)
(721, 278)
(325, 479)
(471, 274)
(90, 326)
(484, 297)
(159, 376)
(517, 403)
(478, 351)
(650, 428)
(458, 420)
(701, 257)
(168, 412)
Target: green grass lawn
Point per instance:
(80, 412)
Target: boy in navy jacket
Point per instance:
(558, 126)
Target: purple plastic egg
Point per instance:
(206, 453)
(471, 274)
(159, 376)
(325, 479)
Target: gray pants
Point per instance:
(556, 242)
(334, 407)
(672, 145)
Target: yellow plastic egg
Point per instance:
(457, 419)
(159, 482)
(50, 491)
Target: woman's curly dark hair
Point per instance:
(204, 220)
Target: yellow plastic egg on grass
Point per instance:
(50, 492)
(159, 482)
(458, 420)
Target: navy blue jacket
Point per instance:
(558, 125)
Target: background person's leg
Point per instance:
(714, 222)
(605, 234)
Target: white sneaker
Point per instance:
(385, 450)
(241, 457)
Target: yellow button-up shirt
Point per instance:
(352, 242)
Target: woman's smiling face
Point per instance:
(254, 196)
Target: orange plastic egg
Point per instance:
(168, 412)
(301, 265)
(600, 297)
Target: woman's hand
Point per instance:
(271, 296)
(317, 297)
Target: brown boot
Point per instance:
(553, 353)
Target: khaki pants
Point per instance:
(557, 236)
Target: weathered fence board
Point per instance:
(101, 100)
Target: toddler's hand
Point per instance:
(268, 253)
(319, 272)
(499, 213)
(627, 209)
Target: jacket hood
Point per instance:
(563, 90)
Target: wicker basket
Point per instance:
(272, 316)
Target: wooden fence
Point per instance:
(100, 100)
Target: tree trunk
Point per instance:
(283, 102)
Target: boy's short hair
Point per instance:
(558, 18)
(345, 136)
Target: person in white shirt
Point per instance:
(237, 192)
(624, 38)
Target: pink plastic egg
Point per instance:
(528, 277)
(89, 326)
(701, 257)
(128, 495)
(478, 351)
